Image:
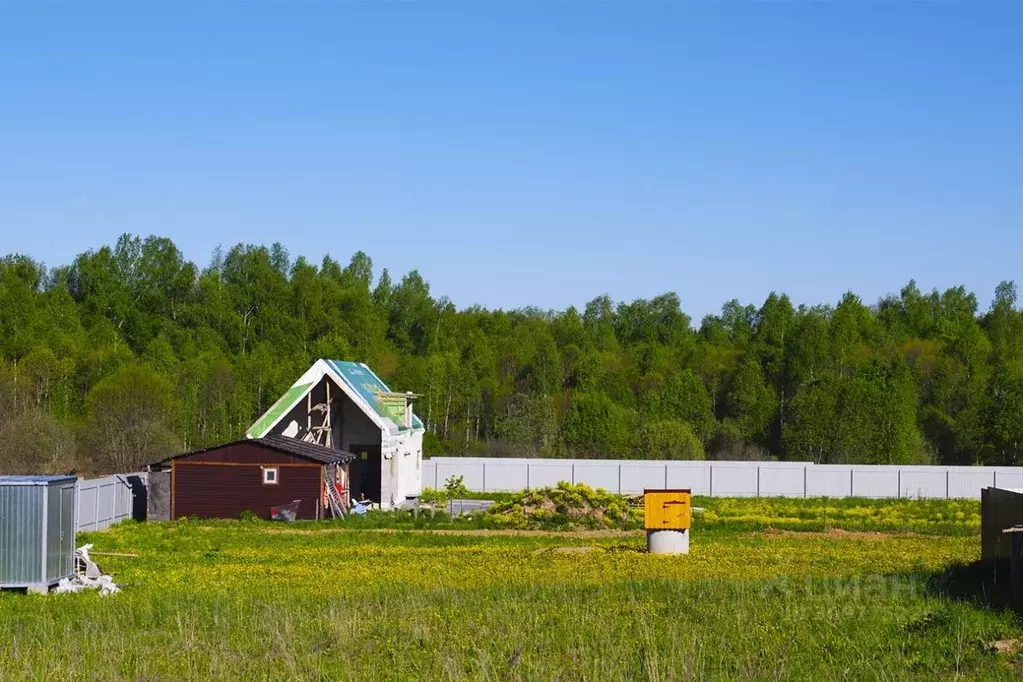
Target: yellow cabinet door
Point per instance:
(667, 509)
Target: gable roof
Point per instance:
(356, 380)
(369, 386)
(289, 446)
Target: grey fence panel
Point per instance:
(542, 474)
(102, 502)
(781, 481)
(733, 481)
(692, 475)
(639, 476)
(430, 474)
(923, 482)
(599, 475)
(1008, 478)
(969, 481)
(723, 479)
(874, 481)
(505, 476)
(472, 470)
(829, 481)
(87, 496)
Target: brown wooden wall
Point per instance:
(225, 482)
(253, 453)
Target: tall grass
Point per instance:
(255, 601)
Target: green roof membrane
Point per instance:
(279, 409)
(368, 385)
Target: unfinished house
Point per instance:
(345, 406)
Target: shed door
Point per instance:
(67, 528)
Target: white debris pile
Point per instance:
(87, 576)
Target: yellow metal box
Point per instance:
(667, 509)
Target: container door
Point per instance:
(67, 528)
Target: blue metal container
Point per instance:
(37, 530)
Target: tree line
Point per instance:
(132, 352)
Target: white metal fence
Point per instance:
(102, 502)
(724, 479)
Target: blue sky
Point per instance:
(530, 153)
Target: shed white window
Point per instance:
(270, 476)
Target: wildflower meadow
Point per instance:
(231, 600)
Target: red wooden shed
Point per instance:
(253, 475)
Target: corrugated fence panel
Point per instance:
(604, 475)
(828, 481)
(723, 479)
(732, 479)
(102, 502)
(542, 474)
(505, 476)
(787, 481)
(1008, 478)
(639, 476)
(470, 469)
(1000, 509)
(87, 496)
(875, 481)
(692, 475)
(430, 474)
(924, 483)
(967, 482)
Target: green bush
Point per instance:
(566, 505)
(455, 487)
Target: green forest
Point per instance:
(132, 352)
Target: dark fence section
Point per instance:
(1001, 541)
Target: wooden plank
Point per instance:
(173, 465)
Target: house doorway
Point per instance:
(366, 472)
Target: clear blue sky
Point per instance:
(530, 153)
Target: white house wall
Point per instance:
(401, 467)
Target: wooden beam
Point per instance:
(173, 466)
(245, 464)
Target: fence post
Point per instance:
(527, 476)
(573, 473)
(898, 493)
(946, 483)
(852, 473)
(665, 475)
(95, 519)
(994, 478)
(805, 493)
(619, 478)
(710, 468)
(758, 480)
(484, 476)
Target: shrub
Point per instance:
(455, 487)
(566, 505)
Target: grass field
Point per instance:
(253, 600)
